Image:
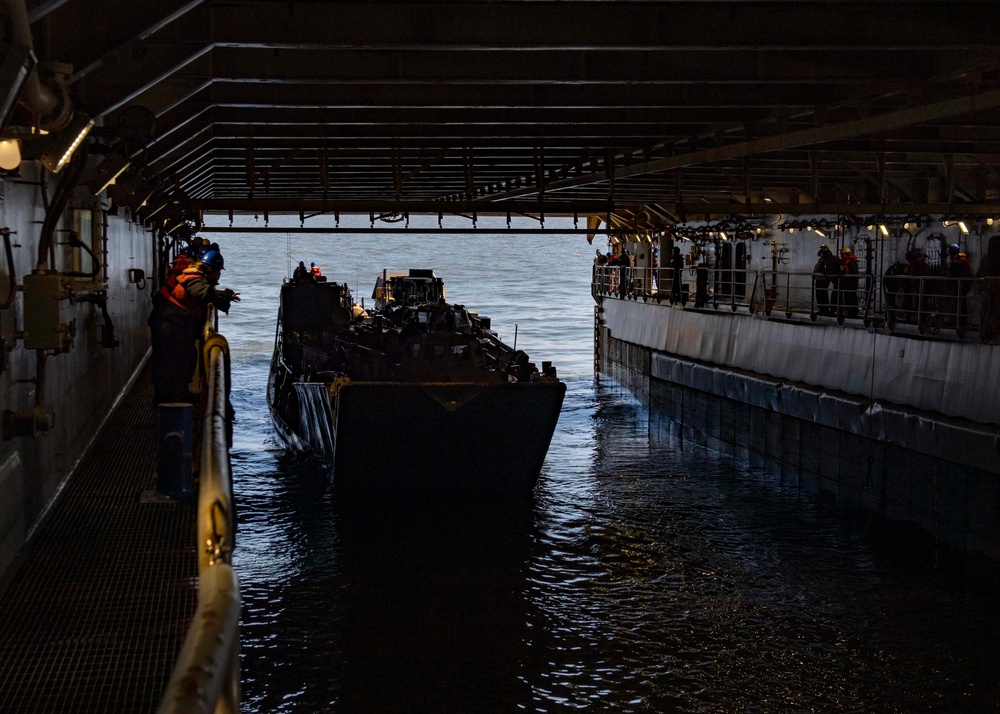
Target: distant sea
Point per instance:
(646, 574)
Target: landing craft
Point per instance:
(419, 397)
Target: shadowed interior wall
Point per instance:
(81, 385)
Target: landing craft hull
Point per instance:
(443, 437)
(444, 411)
(425, 438)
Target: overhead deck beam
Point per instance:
(681, 211)
(653, 102)
(818, 27)
(133, 48)
(663, 66)
(292, 205)
(797, 139)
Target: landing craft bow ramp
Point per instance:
(642, 114)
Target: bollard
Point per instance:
(173, 472)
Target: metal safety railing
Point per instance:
(206, 675)
(932, 303)
(929, 303)
(698, 286)
(815, 295)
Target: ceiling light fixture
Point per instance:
(153, 206)
(55, 149)
(965, 229)
(133, 189)
(105, 174)
(66, 142)
(10, 154)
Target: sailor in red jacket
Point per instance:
(175, 324)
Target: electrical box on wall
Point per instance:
(44, 326)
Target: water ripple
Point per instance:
(646, 575)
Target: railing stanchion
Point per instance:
(206, 675)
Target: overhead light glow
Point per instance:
(818, 232)
(59, 147)
(159, 206)
(106, 173)
(885, 231)
(965, 229)
(77, 140)
(10, 154)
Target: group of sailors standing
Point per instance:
(836, 282)
(303, 275)
(907, 293)
(625, 283)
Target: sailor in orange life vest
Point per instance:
(175, 324)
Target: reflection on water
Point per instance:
(385, 607)
(645, 575)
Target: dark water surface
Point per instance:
(646, 574)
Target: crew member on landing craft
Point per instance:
(179, 310)
(314, 269)
(301, 276)
(849, 272)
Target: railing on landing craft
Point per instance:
(206, 675)
(925, 305)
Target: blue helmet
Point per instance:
(953, 249)
(213, 259)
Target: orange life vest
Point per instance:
(183, 270)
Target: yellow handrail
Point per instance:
(206, 675)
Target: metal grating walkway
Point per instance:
(95, 617)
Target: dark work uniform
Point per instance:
(849, 280)
(677, 277)
(827, 271)
(175, 326)
(961, 271)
